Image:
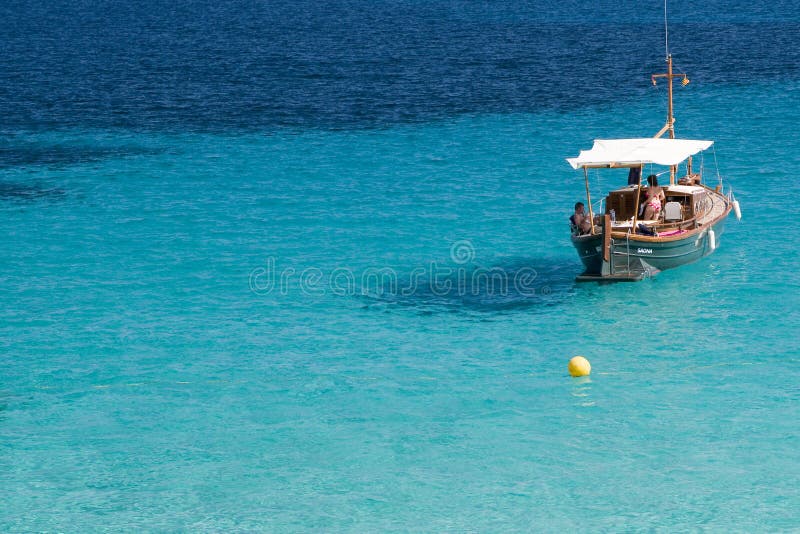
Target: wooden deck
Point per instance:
(718, 207)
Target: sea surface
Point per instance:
(305, 266)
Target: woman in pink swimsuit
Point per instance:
(655, 198)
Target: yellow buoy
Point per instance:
(579, 366)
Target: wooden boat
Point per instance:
(621, 245)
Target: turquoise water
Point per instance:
(152, 379)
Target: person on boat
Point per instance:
(580, 220)
(655, 199)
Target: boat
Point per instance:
(621, 244)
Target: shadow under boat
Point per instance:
(520, 283)
(23, 192)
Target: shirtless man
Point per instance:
(580, 220)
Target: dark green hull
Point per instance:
(635, 257)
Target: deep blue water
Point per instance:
(202, 65)
(235, 245)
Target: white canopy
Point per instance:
(632, 152)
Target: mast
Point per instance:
(670, 117)
(669, 75)
(670, 125)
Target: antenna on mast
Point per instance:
(666, 30)
(669, 75)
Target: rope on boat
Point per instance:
(599, 203)
(703, 163)
(716, 165)
(628, 249)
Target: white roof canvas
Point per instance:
(631, 152)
